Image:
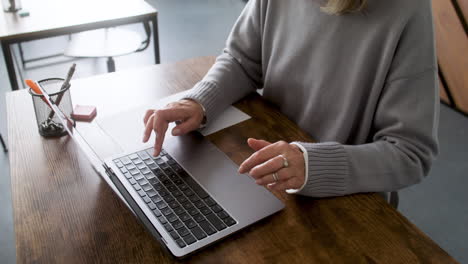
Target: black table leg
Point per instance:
(5, 149)
(10, 65)
(154, 21)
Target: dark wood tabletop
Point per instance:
(65, 213)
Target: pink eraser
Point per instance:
(84, 113)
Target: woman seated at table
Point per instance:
(360, 76)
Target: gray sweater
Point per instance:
(364, 85)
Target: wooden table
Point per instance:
(64, 212)
(451, 31)
(50, 18)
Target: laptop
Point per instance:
(188, 197)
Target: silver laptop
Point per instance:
(188, 197)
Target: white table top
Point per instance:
(48, 17)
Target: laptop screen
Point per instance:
(69, 125)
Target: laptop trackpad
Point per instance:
(218, 175)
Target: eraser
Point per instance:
(84, 113)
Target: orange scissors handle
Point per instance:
(34, 86)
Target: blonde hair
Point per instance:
(339, 7)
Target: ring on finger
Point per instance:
(285, 161)
(275, 176)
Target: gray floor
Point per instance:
(438, 205)
(200, 27)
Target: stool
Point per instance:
(107, 43)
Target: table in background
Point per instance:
(64, 212)
(49, 18)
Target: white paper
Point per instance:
(229, 117)
(126, 128)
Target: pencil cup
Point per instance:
(48, 123)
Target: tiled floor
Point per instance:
(200, 27)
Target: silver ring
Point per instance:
(285, 162)
(275, 176)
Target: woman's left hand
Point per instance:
(270, 158)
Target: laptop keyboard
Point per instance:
(179, 203)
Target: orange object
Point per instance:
(34, 86)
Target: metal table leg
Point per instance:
(5, 149)
(10, 65)
(154, 21)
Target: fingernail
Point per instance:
(176, 132)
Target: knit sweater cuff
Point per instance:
(328, 170)
(206, 93)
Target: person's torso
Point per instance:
(326, 72)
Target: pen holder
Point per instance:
(48, 123)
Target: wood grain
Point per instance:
(65, 213)
(443, 94)
(452, 51)
(463, 4)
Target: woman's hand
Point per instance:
(187, 113)
(270, 158)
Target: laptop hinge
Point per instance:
(108, 170)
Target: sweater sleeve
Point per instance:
(403, 140)
(238, 70)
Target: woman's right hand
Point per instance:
(187, 113)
